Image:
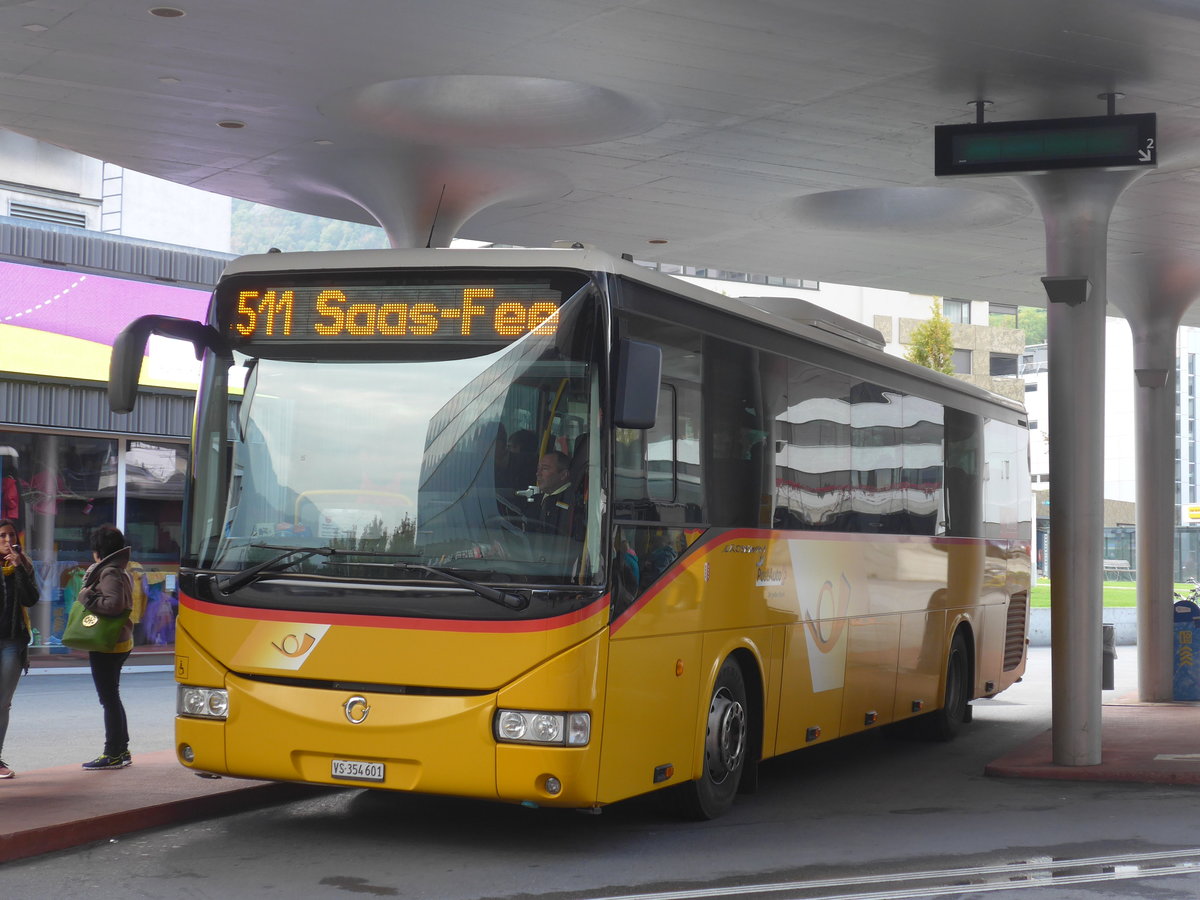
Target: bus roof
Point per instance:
(807, 320)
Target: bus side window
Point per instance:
(657, 472)
(629, 470)
(737, 383)
(964, 489)
(661, 449)
(644, 553)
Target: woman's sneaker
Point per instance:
(5, 771)
(104, 761)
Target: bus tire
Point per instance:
(726, 741)
(945, 724)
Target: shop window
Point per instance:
(59, 488)
(154, 479)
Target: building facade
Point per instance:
(67, 463)
(1120, 444)
(988, 346)
(85, 247)
(46, 184)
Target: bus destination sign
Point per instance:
(1042, 145)
(474, 312)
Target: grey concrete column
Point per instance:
(1154, 416)
(1075, 208)
(1154, 294)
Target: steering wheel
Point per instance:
(511, 508)
(520, 525)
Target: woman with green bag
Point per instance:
(108, 591)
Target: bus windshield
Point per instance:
(480, 466)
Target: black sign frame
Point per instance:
(1046, 145)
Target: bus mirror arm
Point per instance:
(638, 374)
(125, 365)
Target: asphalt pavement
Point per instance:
(52, 804)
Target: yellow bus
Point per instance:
(544, 527)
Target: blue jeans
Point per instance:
(10, 673)
(106, 675)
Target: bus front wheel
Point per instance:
(726, 738)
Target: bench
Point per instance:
(1119, 569)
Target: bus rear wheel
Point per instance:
(726, 738)
(945, 724)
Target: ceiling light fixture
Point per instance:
(169, 79)
(167, 12)
(231, 123)
(656, 241)
(34, 26)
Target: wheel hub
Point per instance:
(726, 739)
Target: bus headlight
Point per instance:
(525, 726)
(202, 703)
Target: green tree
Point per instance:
(932, 344)
(258, 228)
(1032, 320)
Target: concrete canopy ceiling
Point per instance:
(790, 137)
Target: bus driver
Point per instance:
(555, 505)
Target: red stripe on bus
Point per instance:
(366, 621)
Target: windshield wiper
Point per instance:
(247, 575)
(508, 601)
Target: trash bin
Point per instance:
(1186, 681)
(1107, 676)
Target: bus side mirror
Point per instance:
(639, 370)
(125, 365)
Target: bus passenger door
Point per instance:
(650, 712)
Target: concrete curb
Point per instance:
(84, 670)
(48, 810)
(1124, 620)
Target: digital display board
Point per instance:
(325, 309)
(1039, 145)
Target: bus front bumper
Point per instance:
(403, 742)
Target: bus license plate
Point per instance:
(356, 770)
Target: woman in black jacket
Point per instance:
(18, 592)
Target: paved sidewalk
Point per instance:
(45, 810)
(1150, 743)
